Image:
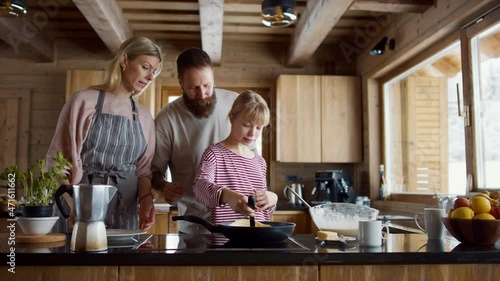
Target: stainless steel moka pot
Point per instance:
(91, 205)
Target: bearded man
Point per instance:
(184, 129)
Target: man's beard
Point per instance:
(201, 108)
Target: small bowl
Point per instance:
(474, 232)
(36, 226)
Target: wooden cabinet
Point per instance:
(163, 223)
(318, 119)
(173, 226)
(302, 219)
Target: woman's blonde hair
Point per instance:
(132, 48)
(253, 108)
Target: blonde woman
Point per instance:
(230, 171)
(106, 134)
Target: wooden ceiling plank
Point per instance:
(211, 24)
(165, 27)
(107, 19)
(313, 26)
(24, 36)
(393, 6)
(161, 17)
(157, 5)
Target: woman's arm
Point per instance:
(146, 203)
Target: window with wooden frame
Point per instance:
(442, 134)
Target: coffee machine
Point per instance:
(333, 186)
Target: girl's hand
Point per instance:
(237, 201)
(264, 199)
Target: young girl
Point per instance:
(230, 171)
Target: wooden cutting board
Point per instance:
(48, 238)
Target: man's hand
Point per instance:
(173, 191)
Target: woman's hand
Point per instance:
(146, 213)
(265, 199)
(237, 201)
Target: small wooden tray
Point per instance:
(48, 238)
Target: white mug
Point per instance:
(370, 233)
(434, 227)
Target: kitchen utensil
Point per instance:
(251, 204)
(342, 218)
(91, 204)
(277, 233)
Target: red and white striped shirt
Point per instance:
(221, 168)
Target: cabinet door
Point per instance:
(298, 118)
(173, 226)
(300, 218)
(341, 119)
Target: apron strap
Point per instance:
(100, 102)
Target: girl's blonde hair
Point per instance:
(253, 108)
(132, 48)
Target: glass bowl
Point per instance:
(342, 218)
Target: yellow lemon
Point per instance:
(484, 216)
(462, 213)
(480, 205)
(450, 212)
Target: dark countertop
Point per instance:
(173, 249)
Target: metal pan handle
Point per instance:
(208, 225)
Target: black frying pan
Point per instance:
(277, 233)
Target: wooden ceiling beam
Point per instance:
(393, 6)
(315, 23)
(211, 24)
(107, 19)
(25, 37)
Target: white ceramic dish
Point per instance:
(123, 235)
(348, 240)
(36, 226)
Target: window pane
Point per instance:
(424, 136)
(486, 81)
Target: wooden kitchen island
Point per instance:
(187, 257)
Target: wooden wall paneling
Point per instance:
(219, 273)
(15, 129)
(341, 132)
(61, 273)
(11, 131)
(426, 130)
(77, 80)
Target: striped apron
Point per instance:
(110, 152)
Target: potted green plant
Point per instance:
(39, 184)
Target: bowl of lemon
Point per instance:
(475, 221)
